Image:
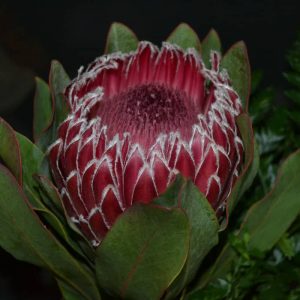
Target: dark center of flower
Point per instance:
(148, 110)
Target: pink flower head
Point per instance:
(135, 121)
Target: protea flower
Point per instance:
(135, 121)
(148, 148)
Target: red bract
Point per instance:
(136, 120)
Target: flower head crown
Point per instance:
(135, 121)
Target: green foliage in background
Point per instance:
(273, 274)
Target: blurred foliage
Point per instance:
(275, 274)
(259, 276)
(276, 124)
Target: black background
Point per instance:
(34, 32)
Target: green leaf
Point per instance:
(236, 62)
(52, 202)
(216, 291)
(278, 122)
(120, 38)
(57, 228)
(250, 164)
(210, 43)
(293, 95)
(287, 246)
(251, 172)
(185, 37)
(219, 269)
(26, 238)
(267, 220)
(58, 81)
(293, 78)
(52, 199)
(203, 224)
(54, 213)
(295, 116)
(45, 167)
(42, 111)
(10, 150)
(143, 252)
(261, 105)
(31, 157)
(68, 292)
(268, 141)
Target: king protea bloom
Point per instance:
(138, 119)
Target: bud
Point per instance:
(135, 121)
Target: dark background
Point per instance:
(34, 32)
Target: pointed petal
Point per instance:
(172, 151)
(185, 163)
(144, 190)
(102, 178)
(219, 134)
(100, 145)
(193, 83)
(125, 148)
(87, 191)
(111, 152)
(112, 83)
(54, 159)
(213, 191)
(132, 169)
(208, 99)
(63, 128)
(73, 188)
(97, 225)
(161, 174)
(132, 72)
(180, 72)
(111, 207)
(69, 158)
(198, 143)
(87, 230)
(68, 205)
(165, 67)
(72, 131)
(225, 167)
(147, 55)
(85, 154)
(208, 167)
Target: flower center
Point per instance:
(147, 110)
